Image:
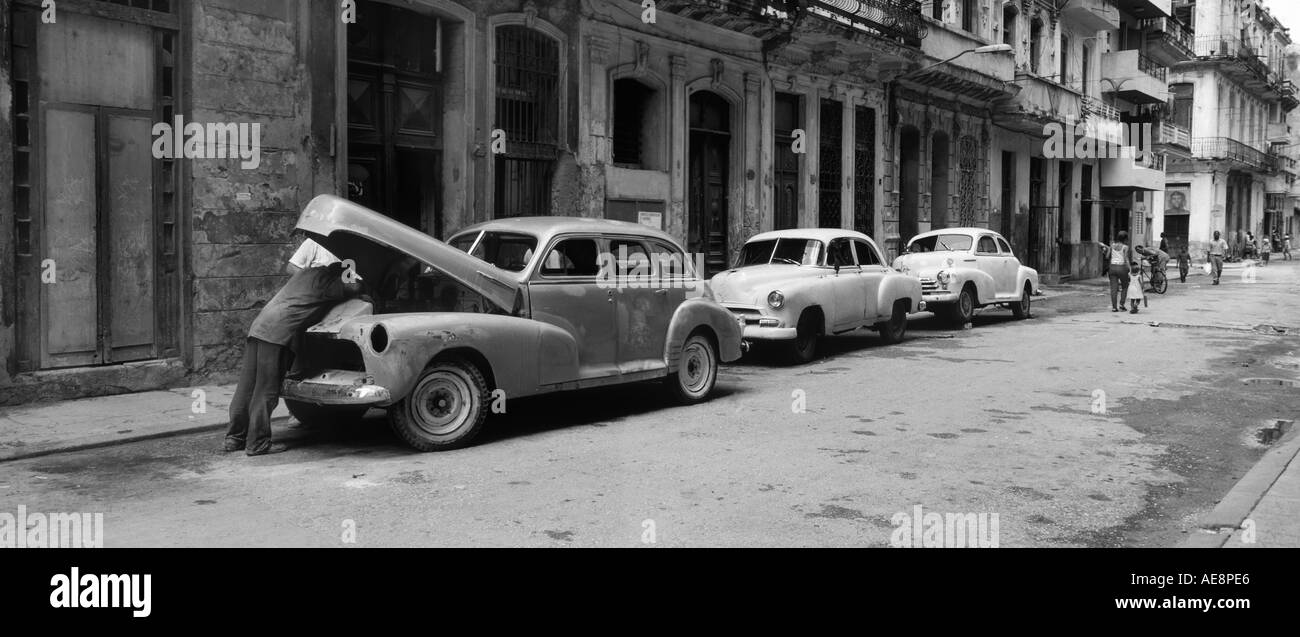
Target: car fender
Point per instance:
(1027, 274)
(501, 341)
(985, 287)
(895, 287)
(697, 312)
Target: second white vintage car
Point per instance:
(792, 286)
(962, 269)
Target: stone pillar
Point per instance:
(751, 221)
(847, 144)
(594, 144)
(678, 108)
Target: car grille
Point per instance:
(929, 285)
(746, 314)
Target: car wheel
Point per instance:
(962, 311)
(804, 346)
(893, 330)
(313, 415)
(1020, 309)
(444, 410)
(697, 371)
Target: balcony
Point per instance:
(1289, 98)
(1143, 78)
(762, 19)
(1232, 151)
(897, 20)
(1147, 9)
(1278, 132)
(1242, 61)
(1039, 103)
(1168, 41)
(1101, 121)
(1134, 170)
(1173, 137)
(985, 76)
(1092, 15)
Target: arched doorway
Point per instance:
(708, 169)
(909, 175)
(939, 200)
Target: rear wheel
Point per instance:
(804, 346)
(893, 330)
(313, 415)
(962, 311)
(1020, 309)
(697, 371)
(445, 410)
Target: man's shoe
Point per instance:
(1133, 311)
(1114, 309)
(232, 445)
(274, 447)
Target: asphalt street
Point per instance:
(1077, 427)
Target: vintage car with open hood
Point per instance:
(503, 310)
(793, 286)
(962, 269)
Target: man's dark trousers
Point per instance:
(257, 394)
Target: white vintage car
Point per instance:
(962, 269)
(793, 286)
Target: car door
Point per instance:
(643, 304)
(989, 260)
(1010, 269)
(565, 292)
(848, 296)
(873, 276)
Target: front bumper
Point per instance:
(760, 333)
(335, 387)
(942, 296)
(756, 325)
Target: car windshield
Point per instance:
(506, 250)
(787, 251)
(940, 243)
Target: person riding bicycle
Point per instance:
(1159, 259)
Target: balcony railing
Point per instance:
(899, 19)
(1173, 135)
(1100, 109)
(1232, 150)
(1171, 31)
(1151, 67)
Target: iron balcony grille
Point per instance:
(896, 19)
(1151, 67)
(1173, 134)
(1232, 150)
(1173, 32)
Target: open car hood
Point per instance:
(355, 232)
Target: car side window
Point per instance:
(1006, 247)
(866, 254)
(631, 257)
(572, 257)
(987, 245)
(840, 254)
(670, 263)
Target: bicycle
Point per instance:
(1159, 280)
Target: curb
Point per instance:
(1240, 501)
(108, 440)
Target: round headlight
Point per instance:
(943, 277)
(776, 300)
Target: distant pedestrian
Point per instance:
(1218, 248)
(1265, 250)
(1164, 243)
(1119, 260)
(1184, 264)
(1286, 248)
(1135, 294)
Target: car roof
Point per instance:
(965, 231)
(819, 234)
(545, 227)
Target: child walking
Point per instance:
(1135, 294)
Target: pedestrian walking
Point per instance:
(1164, 243)
(1119, 260)
(1265, 250)
(304, 300)
(1218, 248)
(1286, 248)
(1135, 294)
(1184, 264)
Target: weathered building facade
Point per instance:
(129, 269)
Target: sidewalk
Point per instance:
(1260, 511)
(43, 429)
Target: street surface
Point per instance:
(1003, 418)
